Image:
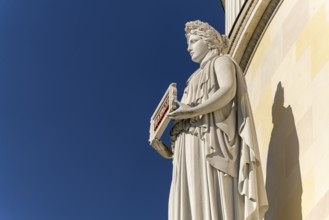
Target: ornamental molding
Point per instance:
(249, 27)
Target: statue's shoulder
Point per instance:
(223, 60)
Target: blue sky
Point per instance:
(79, 81)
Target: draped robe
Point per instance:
(216, 164)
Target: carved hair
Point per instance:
(213, 39)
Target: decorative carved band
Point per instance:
(249, 28)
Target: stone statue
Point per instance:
(216, 163)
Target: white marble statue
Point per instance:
(216, 164)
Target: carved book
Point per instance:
(159, 119)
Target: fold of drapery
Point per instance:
(229, 138)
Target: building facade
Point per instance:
(283, 47)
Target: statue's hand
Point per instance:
(183, 112)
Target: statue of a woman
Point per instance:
(216, 164)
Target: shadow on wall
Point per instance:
(283, 180)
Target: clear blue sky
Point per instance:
(79, 81)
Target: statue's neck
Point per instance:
(208, 57)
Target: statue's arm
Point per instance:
(226, 77)
(162, 149)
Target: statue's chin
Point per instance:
(195, 60)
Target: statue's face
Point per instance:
(197, 48)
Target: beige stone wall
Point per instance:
(288, 82)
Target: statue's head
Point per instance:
(201, 38)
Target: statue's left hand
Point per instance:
(183, 112)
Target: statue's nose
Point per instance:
(189, 49)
